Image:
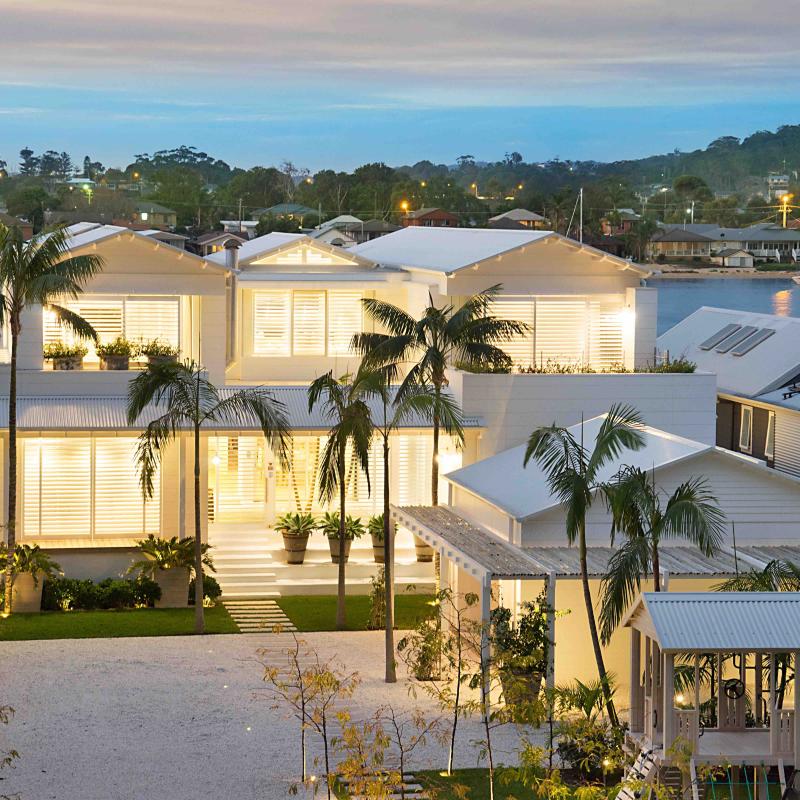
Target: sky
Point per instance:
(337, 83)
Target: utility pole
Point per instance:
(580, 229)
(692, 212)
(240, 215)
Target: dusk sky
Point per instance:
(338, 83)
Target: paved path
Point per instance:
(257, 616)
(173, 718)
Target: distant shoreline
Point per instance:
(726, 274)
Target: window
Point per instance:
(305, 322)
(85, 487)
(769, 444)
(746, 429)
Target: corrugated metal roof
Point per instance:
(722, 621)
(110, 413)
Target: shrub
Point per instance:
(119, 347)
(296, 524)
(159, 349)
(353, 527)
(675, 365)
(61, 350)
(212, 591)
(166, 554)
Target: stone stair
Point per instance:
(258, 616)
(411, 790)
(244, 564)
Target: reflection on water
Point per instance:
(677, 297)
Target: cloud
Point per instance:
(19, 111)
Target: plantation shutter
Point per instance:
(57, 487)
(105, 316)
(412, 458)
(344, 320)
(605, 334)
(146, 320)
(119, 505)
(518, 309)
(308, 336)
(271, 323)
(561, 328)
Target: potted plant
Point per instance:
(353, 529)
(169, 562)
(116, 355)
(295, 529)
(423, 550)
(31, 566)
(65, 357)
(521, 650)
(375, 528)
(158, 352)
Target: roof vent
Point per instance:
(752, 341)
(714, 340)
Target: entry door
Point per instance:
(237, 479)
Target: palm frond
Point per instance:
(396, 321)
(73, 321)
(692, 513)
(621, 583)
(158, 433)
(620, 430)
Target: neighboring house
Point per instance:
(756, 359)
(623, 222)
(345, 232)
(173, 239)
(213, 242)
(303, 214)
(343, 220)
(733, 257)
(430, 218)
(764, 242)
(241, 227)
(15, 222)
(339, 236)
(523, 218)
(154, 215)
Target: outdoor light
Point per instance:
(679, 698)
(215, 461)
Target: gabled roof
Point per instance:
(522, 492)
(766, 367)
(212, 236)
(424, 212)
(519, 215)
(287, 208)
(719, 621)
(679, 235)
(446, 250)
(342, 219)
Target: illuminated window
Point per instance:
(746, 429)
(769, 444)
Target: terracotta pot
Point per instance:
(174, 585)
(157, 360)
(377, 548)
(295, 547)
(115, 362)
(68, 363)
(424, 551)
(26, 597)
(334, 546)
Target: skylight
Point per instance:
(731, 341)
(750, 342)
(714, 340)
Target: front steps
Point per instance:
(258, 616)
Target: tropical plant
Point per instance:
(344, 404)
(37, 271)
(441, 337)
(30, 559)
(635, 502)
(158, 349)
(212, 591)
(375, 527)
(296, 524)
(184, 398)
(377, 601)
(573, 473)
(60, 350)
(776, 576)
(330, 525)
(118, 347)
(173, 553)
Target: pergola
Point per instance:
(728, 642)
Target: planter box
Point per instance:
(377, 549)
(158, 360)
(334, 546)
(69, 363)
(295, 547)
(26, 597)
(115, 362)
(424, 551)
(174, 585)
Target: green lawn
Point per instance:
(111, 624)
(318, 612)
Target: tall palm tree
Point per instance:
(574, 478)
(635, 502)
(444, 336)
(39, 271)
(418, 403)
(344, 403)
(184, 399)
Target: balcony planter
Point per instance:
(158, 352)
(174, 584)
(330, 527)
(116, 355)
(295, 530)
(115, 362)
(64, 357)
(424, 551)
(375, 528)
(31, 567)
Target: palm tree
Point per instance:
(183, 398)
(690, 514)
(573, 476)
(38, 271)
(442, 337)
(776, 576)
(419, 402)
(344, 402)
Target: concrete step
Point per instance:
(251, 594)
(238, 573)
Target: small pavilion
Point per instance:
(732, 652)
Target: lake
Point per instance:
(679, 297)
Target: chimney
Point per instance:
(232, 254)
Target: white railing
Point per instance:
(687, 725)
(785, 731)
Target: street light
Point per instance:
(785, 206)
(404, 206)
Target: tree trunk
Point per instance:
(598, 653)
(199, 614)
(656, 568)
(435, 465)
(341, 612)
(11, 523)
(388, 569)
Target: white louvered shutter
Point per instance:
(271, 323)
(237, 475)
(308, 334)
(344, 321)
(149, 319)
(104, 315)
(561, 329)
(518, 309)
(412, 459)
(605, 334)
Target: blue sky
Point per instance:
(341, 82)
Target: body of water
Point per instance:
(679, 297)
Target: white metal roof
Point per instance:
(719, 621)
(342, 219)
(767, 366)
(522, 492)
(260, 246)
(519, 215)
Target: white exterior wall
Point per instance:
(511, 406)
(787, 441)
(640, 333)
(479, 512)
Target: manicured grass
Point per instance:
(111, 624)
(471, 784)
(318, 612)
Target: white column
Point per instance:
(550, 676)
(668, 685)
(774, 722)
(636, 671)
(182, 473)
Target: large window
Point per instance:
(85, 487)
(138, 319)
(305, 322)
(236, 479)
(746, 429)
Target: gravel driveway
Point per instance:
(172, 718)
